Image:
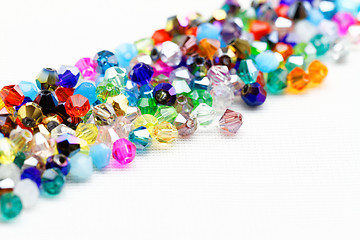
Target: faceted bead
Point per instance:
(222, 96)
(47, 79)
(248, 71)
(132, 113)
(60, 130)
(10, 206)
(6, 185)
(81, 167)
(176, 25)
(339, 50)
(147, 105)
(208, 47)
(201, 96)
(146, 91)
(7, 152)
(20, 139)
(46, 100)
(87, 68)
(19, 159)
(317, 72)
(123, 151)
(305, 30)
(68, 76)
(259, 29)
(2, 104)
(106, 89)
(241, 48)
(181, 87)
(60, 162)
(204, 114)
(321, 43)
(165, 132)
(116, 76)
(52, 181)
(165, 94)
(236, 83)
(77, 106)
(104, 114)
(32, 173)
(181, 73)
(188, 45)
(218, 74)
(100, 154)
(183, 104)
(30, 115)
(68, 144)
(298, 79)
(277, 81)
(88, 90)
(29, 89)
(119, 103)
(144, 45)
(267, 61)
(166, 113)
(12, 95)
(170, 53)
(9, 171)
(141, 138)
(104, 60)
(87, 131)
(298, 10)
(124, 53)
(141, 73)
(186, 124)
(231, 29)
(294, 61)
(63, 94)
(208, 31)
(28, 192)
(146, 120)
(231, 121)
(284, 49)
(253, 94)
(161, 36)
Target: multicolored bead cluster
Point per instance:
(160, 88)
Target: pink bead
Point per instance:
(162, 68)
(231, 121)
(87, 68)
(123, 151)
(344, 21)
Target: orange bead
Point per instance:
(298, 79)
(282, 10)
(259, 29)
(64, 93)
(161, 36)
(208, 47)
(191, 31)
(260, 79)
(284, 49)
(317, 71)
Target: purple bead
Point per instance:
(165, 94)
(253, 94)
(68, 76)
(141, 73)
(231, 29)
(33, 174)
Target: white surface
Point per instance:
(291, 173)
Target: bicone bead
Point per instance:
(248, 71)
(298, 79)
(68, 144)
(259, 29)
(204, 114)
(253, 94)
(7, 152)
(199, 96)
(170, 53)
(30, 114)
(123, 151)
(166, 113)
(317, 72)
(218, 74)
(47, 79)
(231, 121)
(277, 81)
(223, 97)
(165, 94)
(141, 73)
(52, 181)
(29, 89)
(104, 114)
(208, 47)
(68, 76)
(147, 105)
(267, 61)
(106, 89)
(77, 106)
(87, 68)
(63, 94)
(87, 132)
(165, 132)
(28, 192)
(186, 124)
(81, 167)
(32, 173)
(100, 154)
(12, 95)
(146, 120)
(160, 36)
(116, 76)
(104, 60)
(46, 100)
(88, 90)
(59, 161)
(141, 138)
(10, 206)
(321, 44)
(119, 103)
(124, 53)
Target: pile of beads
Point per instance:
(157, 89)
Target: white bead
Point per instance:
(11, 171)
(223, 97)
(28, 192)
(170, 53)
(204, 113)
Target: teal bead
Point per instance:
(81, 167)
(248, 72)
(29, 89)
(321, 44)
(131, 97)
(146, 91)
(10, 205)
(52, 181)
(100, 154)
(141, 138)
(295, 61)
(277, 81)
(87, 90)
(267, 61)
(124, 53)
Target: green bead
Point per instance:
(20, 159)
(248, 71)
(166, 113)
(147, 105)
(116, 76)
(52, 181)
(106, 89)
(144, 45)
(10, 205)
(201, 96)
(321, 44)
(277, 81)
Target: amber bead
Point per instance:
(241, 48)
(7, 123)
(119, 103)
(12, 95)
(298, 79)
(30, 114)
(208, 47)
(317, 72)
(77, 106)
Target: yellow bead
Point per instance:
(7, 153)
(317, 72)
(165, 132)
(20, 139)
(87, 132)
(146, 120)
(120, 104)
(84, 147)
(2, 104)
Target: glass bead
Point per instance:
(46, 100)
(248, 71)
(119, 103)
(259, 29)
(166, 113)
(317, 72)
(177, 24)
(81, 167)
(6, 185)
(68, 144)
(305, 30)
(52, 181)
(240, 47)
(339, 50)
(294, 61)
(299, 10)
(161, 68)
(321, 43)
(188, 45)
(7, 152)
(104, 60)
(104, 114)
(12, 95)
(231, 121)
(204, 114)
(77, 106)
(20, 139)
(116, 76)
(68, 76)
(132, 113)
(147, 105)
(165, 94)
(160, 36)
(10, 171)
(47, 79)
(186, 124)
(28, 192)
(298, 79)
(30, 115)
(141, 138)
(33, 161)
(277, 81)
(10, 206)
(100, 154)
(208, 31)
(123, 151)
(87, 132)
(181, 73)
(124, 53)
(7, 122)
(63, 94)
(87, 90)
(201, 96)
(87, 68)
(144, 45)
(258, 47)
(253, 94)
(183, 104)
(60, 162)
(60, 130)
(344, 20)
(170, 53)
(222, 96)
(106, 89)
(218, 74)
(329, 29)
(232, 29)
(141, 73)
(202, 83)
(181, 87)
(19, 159)
(29, 89)
(267, 62)
(236, 83)
(33, 174)
(208, 48)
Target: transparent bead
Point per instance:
(28, 192)
(236, 84)
(181, 87)
(166, 113)
(339, 50)
(7, 152)
(20, 139)
(107, 135)
(186, 124)
(132, 113)
(87, 132)
(248, 71)
(146, 120)
(116, 76)
(10, 205)
(141, 138)
(204, 113)
(60, 130)
(52, 181)
(42, 146)
(165, 132)
(170, 53)
(104, 114)
(231, 121)
(183, 104)
(223, 97)
(119, 103)
(218, 74)
(305, 30)
(181, 73)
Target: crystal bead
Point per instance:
(87, 90)
(294, 61)
(106, 89)
(145, 120)
(298, 79)
(183, 104)
(267, 62)
(253, 94)
(141, 73)
(19, 159)
(277, 81)
(123, 151)
(181, 73)
(87, 132)
(12, 95)
(321, 43)
(232, 29)
(208, 31)
(208, 48)
(160, 36)
(202, 83)
(141, 138)
(166, 113)
(299, 10)
(10, 206)
(104, 60)
(20, 139)
(119, 103)
(30, 115)
(68, 76)
(46, 100)
(170, 53)
(6, 185)
(177, 25)
(147, 105)
(186, 124)
(116, 76)
(248, 71)
(188, 45)
(59, 161)
(222, 96)
(165, 132)
(29, 89)
(305, 30)
(77, 106)
(63, 94)
(52, 181)
(218, 74)
(81, 167)
(68, 144)
(28, 192)
(181, 87)
(47, 79)
(231, 121)
(344, 20)
(87, 68)
(100, 154)
(7, 152)
(204, 114)
(201, 96)
(124, 53)
(165, 94)
(60, 130)
(144, 45)
(317, 72)
(104, 114)
(10, 171)
(236, 84)
(32, 173)
(132, 113)
(7, 122)
(259, 29)
(240, 47)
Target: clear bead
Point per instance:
(218, 74)
(339, 50)
(170, 53)
(223, 97)
(204, 114)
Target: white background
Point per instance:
(292, 172)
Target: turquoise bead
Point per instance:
(131, 97)
(277, 81)
(100, 154)
(81, 167)
(10, 206)
(52, 181)
(87, 90)
(350, 6)
(321, 44)
(248, 72)
(29, 89)
(267, 61)
(124, 53)
(209, 31)
(141, 138)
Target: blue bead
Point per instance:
(207, 30)
(29, 89)
(68, 76)
(59, 161)
(165, 94)
(267, 61)
(132, 87)
(33, 174)
(315, 16)
(328, 8)
(124, 53)
(141, 73)
(1, 135)
(146, 91)
(350, 6)
(100, 154)
(253, 94)
(131, 98)
(141, 138)
(81, 167)
(87, 90)
(105, 59)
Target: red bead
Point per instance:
(282, 10)
(12, 95)
(260, 29)
(191, 31)
(161, 36)
(260, 79)
(64, 93)
(77, 106)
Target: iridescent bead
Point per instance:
(116, 76)
(7, 152)
(119, 103)
(28, 192)
(12, 95)
(77, 106)
(317, 72)
(204, 114)
(231, 121)
(177, 24)
(46, 100)
(202, 83)
(32, 173)
(165, 94)
(170, 53)
(165, 132)
(146, 120)
(123, 151)
(321, 43)
(104, 60)
(183, 104)
(104, 114)
(144, 45)
(68, 76)
(87, 90)
(106, 89)
(124, 53)
(141, 73)
(30, 115)
(68, 144)
(59, 161)
(166, 113)
(29, 89)
(253, 94)
(47, 79)
(218, 74)
(223, 97)
(10, 206)
(87, 131)
(248, 71)
(100, 154)
(298, 79)
(81, 167)
(267, 62)
(181, 87)
(141, 138)
(87, 68)
(63, 94)
(52, 181)
(132, 113)
(201, 96)
(186, 124)
(277, 81)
